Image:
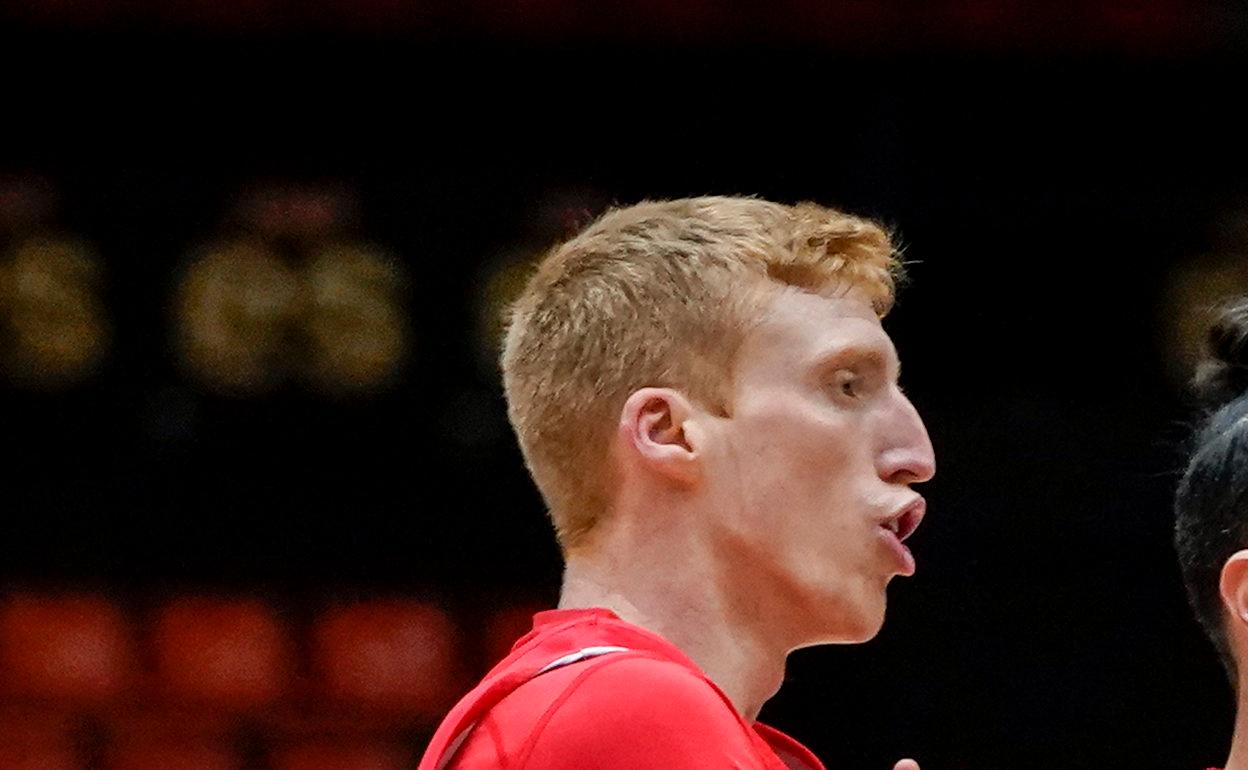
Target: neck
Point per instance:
(1238, 759)
(689, 608)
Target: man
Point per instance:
(1211, 510)
(705, 396)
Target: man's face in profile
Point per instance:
(811, 469)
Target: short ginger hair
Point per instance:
(660, 294)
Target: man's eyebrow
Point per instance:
(872, 355)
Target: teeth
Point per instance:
(895, 526)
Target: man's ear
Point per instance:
(657, 429)
(1234, 587)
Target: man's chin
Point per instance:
(853, 625)
(865, 631)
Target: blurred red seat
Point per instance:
(226, 653)
(342, 756)
(40, 757)
(73, 648)
(504, 628)
(36, 724)
(398, 656)
(172, 756)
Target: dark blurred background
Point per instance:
(252, 254)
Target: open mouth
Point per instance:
(906, 521)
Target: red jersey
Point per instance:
(586, 691)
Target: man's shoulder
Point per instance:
(639, 711)
(655, 684)
(630, 684)
(622, 710)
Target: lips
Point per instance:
(905, 521)
(899, 526)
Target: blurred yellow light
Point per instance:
(233, 309)
(504, 279)
(56, 329)
(355, 320)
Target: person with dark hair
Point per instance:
(1211, 509)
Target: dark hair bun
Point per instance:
(1223, 377)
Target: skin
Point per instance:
(1234, 590)
(744, 532)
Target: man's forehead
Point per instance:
(793, 307)
(812, 325)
